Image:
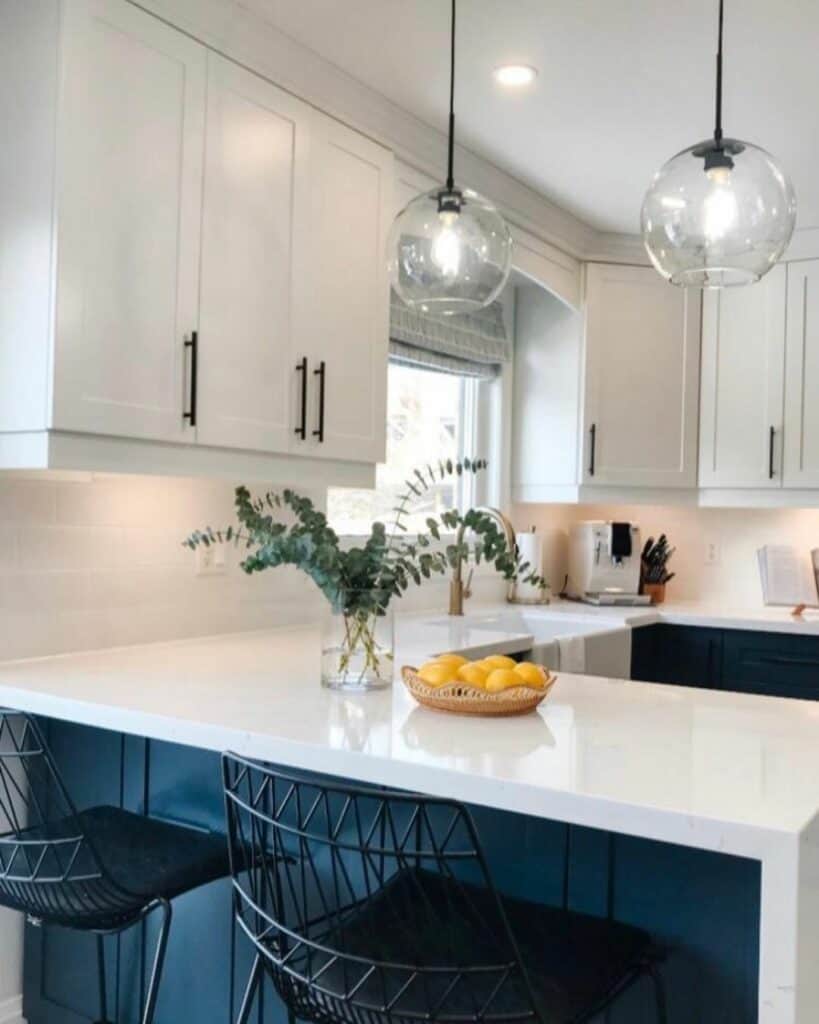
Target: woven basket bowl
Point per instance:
(463, 699)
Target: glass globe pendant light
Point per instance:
(719, 213)
(449, 250)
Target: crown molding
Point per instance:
(615, 248)
(609, 247)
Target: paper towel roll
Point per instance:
(530, 549)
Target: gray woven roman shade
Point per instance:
(469, 344)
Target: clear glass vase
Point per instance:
(357, 645)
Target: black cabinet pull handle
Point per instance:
(301, 430)
(321, 373)
(593, 435)
(771, 470)
(782, 659)
(193, 344)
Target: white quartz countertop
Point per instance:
(709, 769)
(771, 620)
(698, 613)
(727, 772)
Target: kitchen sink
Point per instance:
(540, 625)
(560, 640)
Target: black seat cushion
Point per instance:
(151, 857)
(144, 857)
(575, 962)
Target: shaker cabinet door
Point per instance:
(131, 133)
(254, 243)
(345, 298)
(743, 371)
(802, 376)
(642, 370)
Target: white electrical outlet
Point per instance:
(712, 552)
(211, 560)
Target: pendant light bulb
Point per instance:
(719, 213)
(449, 250)
(719, 175)
(446, 249)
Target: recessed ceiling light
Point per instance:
(515, 75)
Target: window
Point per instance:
(430, 416)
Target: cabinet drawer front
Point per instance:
(680, 655)
(781, 666)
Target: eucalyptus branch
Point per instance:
(362, 580)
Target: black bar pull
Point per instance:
(321, 373)
(771, 437)
(593, 435)
(301, 430)
(193, 344)
(792, 662)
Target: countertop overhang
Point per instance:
(722, 771)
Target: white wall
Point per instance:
(733, 582)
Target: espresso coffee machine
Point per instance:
(604, 563)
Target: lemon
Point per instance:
(531, 674)
(453, 659)
(502, 679)
(499, 661)
(438, 673)
(474, 674)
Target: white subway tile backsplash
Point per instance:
(27, 501)
(96, 561)
(733, 583)
(41, 548)
(157, 502)
(8, 548)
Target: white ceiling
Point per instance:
(623, 84)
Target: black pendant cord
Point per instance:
(718, 118)
(450, 177)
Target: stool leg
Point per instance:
(102, 981)
(659, 993)
(159, 959)
(250, 991)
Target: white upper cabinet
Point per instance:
(743, 371)
(254, 246)
(220, 282)
(802, 376)
(346, 294)
(641, 380)
(130, 143)
(606, 398)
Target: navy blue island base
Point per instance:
(703, 906)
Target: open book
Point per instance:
(789, 576)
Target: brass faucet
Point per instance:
(458, 591)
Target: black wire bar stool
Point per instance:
(370, 906)
(100, 870)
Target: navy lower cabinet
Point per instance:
(681, 655)
(704, 907)
(771, 663)
(745, 661)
